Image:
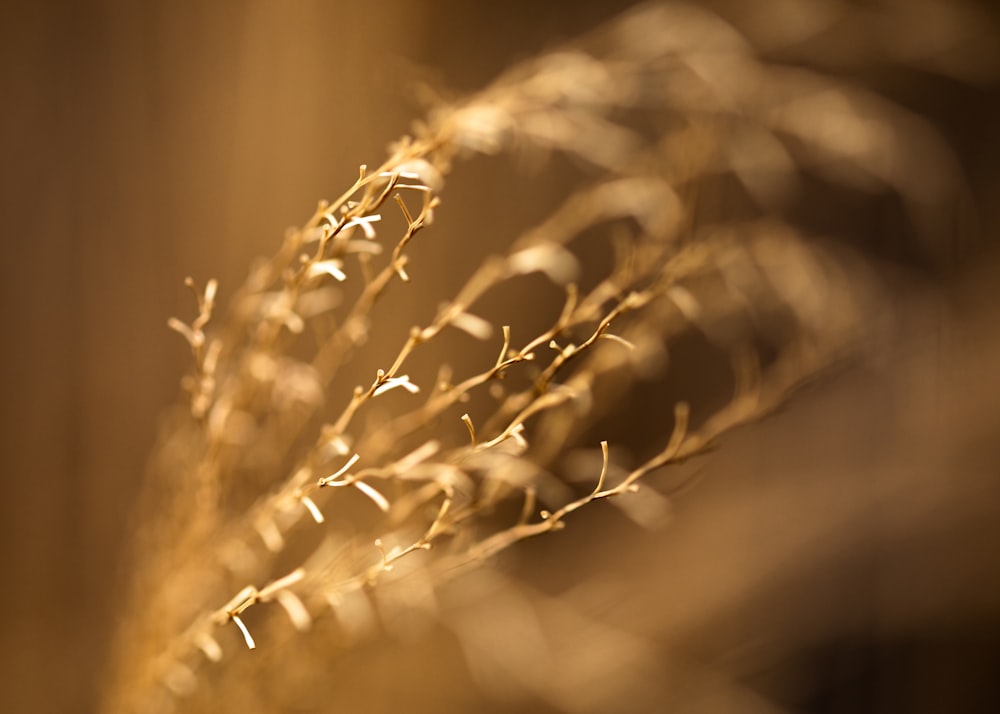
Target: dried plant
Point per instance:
(273, 506)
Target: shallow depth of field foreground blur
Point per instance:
(840, 554)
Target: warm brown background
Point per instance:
(142, 142)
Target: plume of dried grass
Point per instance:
(273, 508)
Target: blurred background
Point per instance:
(842, 556)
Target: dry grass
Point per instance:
(279, 501)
